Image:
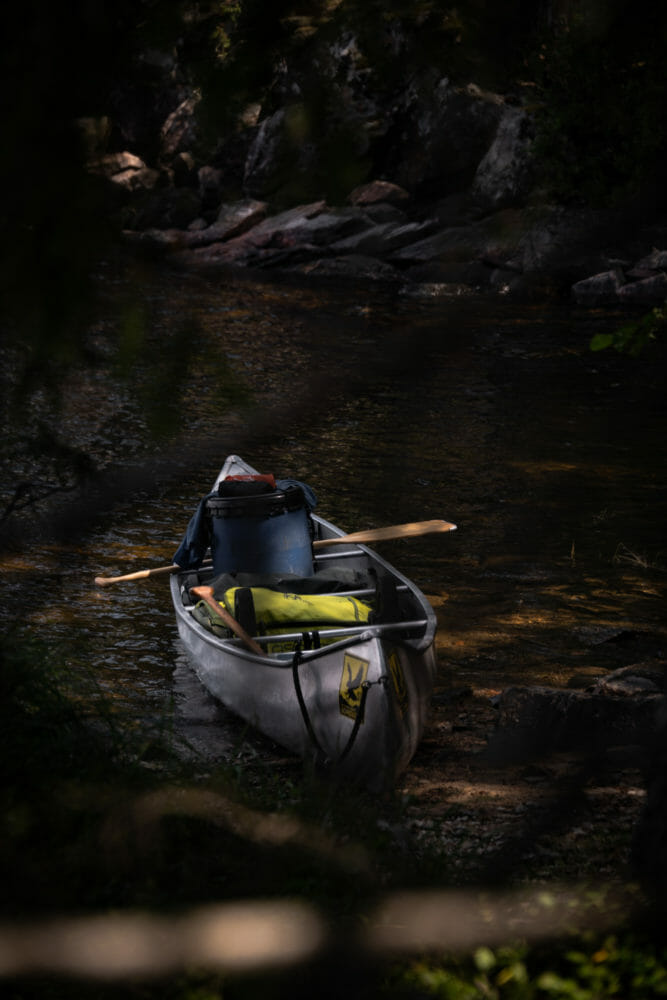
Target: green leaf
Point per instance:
(484, 959)
(601, 341)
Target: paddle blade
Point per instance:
(410, 530)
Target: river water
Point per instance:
(490, 413)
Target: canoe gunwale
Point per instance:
(235, 646)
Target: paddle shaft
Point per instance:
(410, 530)
(205, 594)
(104, 581)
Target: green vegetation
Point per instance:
(596, 66)
(601, 136)
(590, 968)
(633, 337)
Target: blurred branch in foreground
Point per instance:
(245, 937)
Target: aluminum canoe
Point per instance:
(357, 705)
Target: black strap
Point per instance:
(357, 722)
(322, 759)
(296, 660)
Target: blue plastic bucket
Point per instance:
(267, 533)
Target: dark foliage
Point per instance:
(602, 137)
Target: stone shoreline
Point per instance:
(450, 248)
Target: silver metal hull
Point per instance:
(357, 705)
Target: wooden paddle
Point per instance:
(410, 530)
(104, 581)
(205, 594)
(384, 534)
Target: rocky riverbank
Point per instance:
(452, 251)
(452, 205)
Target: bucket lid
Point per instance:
(245, 487)
(260, 504)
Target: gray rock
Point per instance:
(445, 132)
(504, 173)
(626, 687)
(457, 243)
(238, 218)
(127, 171)
(378, 241)
(650, 290)
(275, 159)
(384, 212)
(271, 236)
(291, 218)
(600, 289)
(180, 131)
(328, 227)
(656, 260)
(378, 191)
(653, 672)
(537, 720)
(233, 220)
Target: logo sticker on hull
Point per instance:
(400, 687)
(354, 675)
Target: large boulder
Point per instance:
(268, 159)
(437, 141)
(620, 709)
(295, 156)
(504, 174)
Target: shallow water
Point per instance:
(489, 413)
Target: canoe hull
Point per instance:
(264, 694)
(357, 706)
